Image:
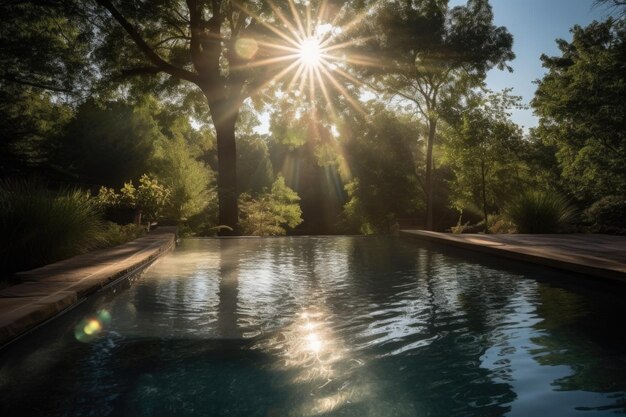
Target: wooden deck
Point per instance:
(590, 254)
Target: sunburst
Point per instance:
(307, 52)
(310, 55)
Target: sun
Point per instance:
(310, 52)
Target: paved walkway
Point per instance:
(591, 254)
(45, 292)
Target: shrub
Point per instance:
(500, 223)
(540, 212)
(607, 215)
(147, 200)
(271, 213)
(115, 234)
(40, 226)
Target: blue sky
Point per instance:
(535, 24)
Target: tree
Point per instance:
(305, 149)
(383, 158)
(483, 149)
(147, 199)
(42, 65)
(107, 143)
(110, 143)
(431, 55)
(581, 109)
(618, 6)
(219, 46)
(271, 212)
(45, 45)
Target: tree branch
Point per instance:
(152, 56)
(129, 72)
(43, 86)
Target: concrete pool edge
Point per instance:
(46, 292)
(580, 253)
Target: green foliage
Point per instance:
(540, 212)
(114, 234)
(501, 223)
(41, 226)
(188, 178)
(148, 198)
(109, 143)
(383, 155)
(430, 56)
(270, 213)
(483, 149)
(254, 168)
(607, 215)
(112, 142)
(107, 197)
(29, 122)
(580, 102)
(45, 45)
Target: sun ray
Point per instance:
(350, 77)
(355, 104)
(309, 53)
(275, 78)
(295, 77)
(345, 44)
(320, 82)
(268, 25)
(281, 16)
(309, 23)
(296, 17)
(265, 62)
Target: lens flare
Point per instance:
(89, 328)
(246, 47)
(92, 327)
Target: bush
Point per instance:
(271, 213)
(501, 224)
(147, 200)
(40, 226)
(540, 212)
(114, 234)
(607, 215)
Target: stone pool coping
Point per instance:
(596, 255)
(44, 292)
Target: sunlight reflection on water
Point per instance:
(325, 327)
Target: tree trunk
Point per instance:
(484, 189)
(224, 119)
(432, 129)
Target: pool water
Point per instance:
(342, 326)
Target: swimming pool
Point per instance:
(341, 326)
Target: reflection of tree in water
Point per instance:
(584, 333)
(227, 327)
(438, 314)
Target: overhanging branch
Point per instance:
(143, 46)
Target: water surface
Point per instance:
(343, 326)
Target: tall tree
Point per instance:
(431, 55)
(382, 157)
(219, 46)
(580, 103)
(484, 150)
